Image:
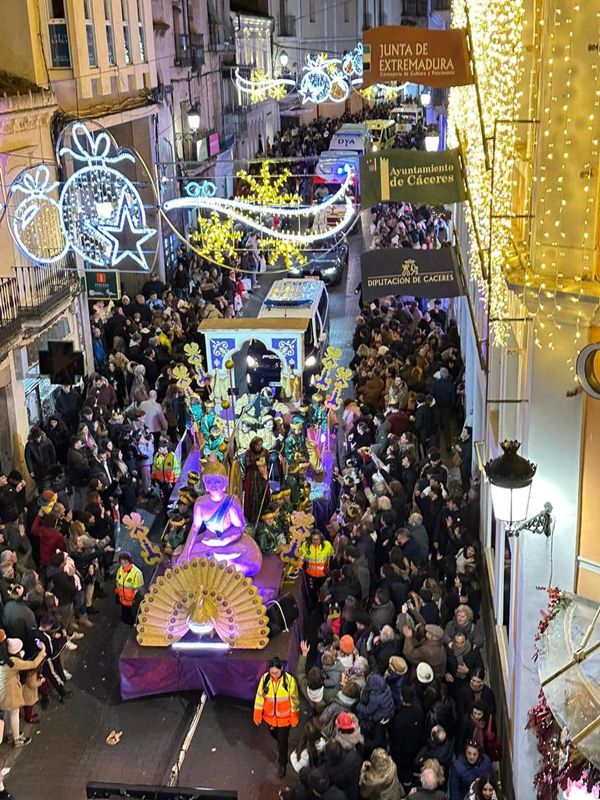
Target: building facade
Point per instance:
(529, 235)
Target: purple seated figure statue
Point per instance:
(218, 525)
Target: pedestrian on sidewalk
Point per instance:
(277, 704)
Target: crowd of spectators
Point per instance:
(394, 682)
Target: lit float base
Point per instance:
(146, 671)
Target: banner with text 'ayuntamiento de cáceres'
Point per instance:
(412, 176)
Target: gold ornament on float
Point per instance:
(207, 597)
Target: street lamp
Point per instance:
(510, 476)
(193, 117)
(426, 97)
(432, 139)
(284, 59)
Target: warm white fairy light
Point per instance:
(496, 28)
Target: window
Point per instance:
(89, 33)
(141, 33)
(110, 42)
(312, 10)
(346, 10)
(58, 34)
(126, 40)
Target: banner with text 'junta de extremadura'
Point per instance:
(399, 53)
(414, 176)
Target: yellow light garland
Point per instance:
(496, 27)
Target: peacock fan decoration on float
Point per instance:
(205, 597)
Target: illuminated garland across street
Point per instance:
(99, 214)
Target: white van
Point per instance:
(302, 298)
(406, 117)
(351, 137)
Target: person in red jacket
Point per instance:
(44, 529)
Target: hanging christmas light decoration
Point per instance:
(99, 214)
(260, 85)
(323, 80)
(216, 238)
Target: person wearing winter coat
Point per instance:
(469, 766)
(312, 684)
(333, 669)
(44, 529)
(383, 611)
(343, 768)
(462, 622)
(348, 732)
(430, 649)
(68, 403)
(360, 567)
(375, 709)
(385, 647)
(438, 746)
(396, 677)
(379, 778)
(40, 456)
(405, 732)
(154, 417)
(15, 695)
(463, 659)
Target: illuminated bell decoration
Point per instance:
(225, 404)
(229, 364)
(510, 476)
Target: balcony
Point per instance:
(41, 289)
(30, 295)
(287, 25)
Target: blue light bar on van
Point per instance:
(296, 303)
(292, 293)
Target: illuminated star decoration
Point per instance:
(123, 233)
(61, 363)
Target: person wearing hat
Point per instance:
(431, 649)
(129, 583)
(277, 704)
(13, 694)
(347, 730)
(395, 677)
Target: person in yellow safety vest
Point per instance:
(277, 704)
(316, 554)
(128, 585)
(165, 470)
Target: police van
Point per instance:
(301, 299)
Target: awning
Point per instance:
(569, 670)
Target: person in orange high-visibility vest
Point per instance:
(316, 553)
(277, 704)
(165, 470)
(129, 582)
